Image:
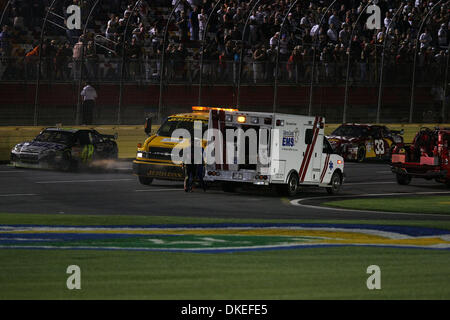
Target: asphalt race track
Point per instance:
(119, 192)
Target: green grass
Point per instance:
(416, 204)
(326, 273)
(99, 220)
(314, 273)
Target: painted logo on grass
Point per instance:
(215, 238)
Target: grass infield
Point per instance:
(315, 273)
(416, 204)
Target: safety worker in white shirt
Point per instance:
(89, 95)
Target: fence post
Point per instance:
(213, 13)
(78, 114)
(344, 113)
(162, 64)
(4, 11)
(315, 45)
(124, 41)
(38, 80)
(380, 88)
(238, 102)
(411, 107)
(275, 87)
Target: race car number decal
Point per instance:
(379, 147)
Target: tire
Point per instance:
(66, 162)
(228, 187)
(403, 179)
(336, 184)
(361, 155)
(290, 189)
(145, 180)
(115, 153)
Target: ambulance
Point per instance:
(154, 156)
(286, 151)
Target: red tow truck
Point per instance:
(426, 157)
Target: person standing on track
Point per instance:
(192, 168)
(89, 95)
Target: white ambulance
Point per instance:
(283, 150)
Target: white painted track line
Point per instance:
(159, 190)
(18, 195)
(83, 181)
(297, 202)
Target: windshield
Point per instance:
(351, 131)
(55, 137)
(172, 124)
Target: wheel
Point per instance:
(66, 162)
(403, 179)
(145, 180)
(290, 189)
(115, 153)
(228, 187)
(292, 185)
(361, 156)
(335, 184)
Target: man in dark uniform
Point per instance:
(191, 168)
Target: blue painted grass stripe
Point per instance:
(229, 250)
(406, 230)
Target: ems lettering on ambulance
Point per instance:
(290, 138)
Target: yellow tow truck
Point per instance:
(154, 157)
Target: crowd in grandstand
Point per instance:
(134, 31)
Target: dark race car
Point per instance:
(361, 141)
(64, 149)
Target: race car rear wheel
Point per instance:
(361, 155)
(403, 179)
(335, 184)
(145, 180)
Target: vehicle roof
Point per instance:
(70, 130)
(363, 125)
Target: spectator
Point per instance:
(259, 58)
(194, 23)
(77, 58)
(182, 24)
(202, 19)
(442, 35)
(425, 39)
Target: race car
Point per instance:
(64, 149)
(362, 141)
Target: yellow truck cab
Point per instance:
(154, 157)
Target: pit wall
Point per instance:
(57, 103)
(130, 136)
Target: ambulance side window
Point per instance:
(327, 148)
(308, 136)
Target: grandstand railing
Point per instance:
(108, 69)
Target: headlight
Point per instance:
(16, 148)
(140, 155)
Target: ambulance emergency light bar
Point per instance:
(199, 108)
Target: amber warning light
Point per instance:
(199, 108)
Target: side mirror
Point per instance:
(148, 126)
